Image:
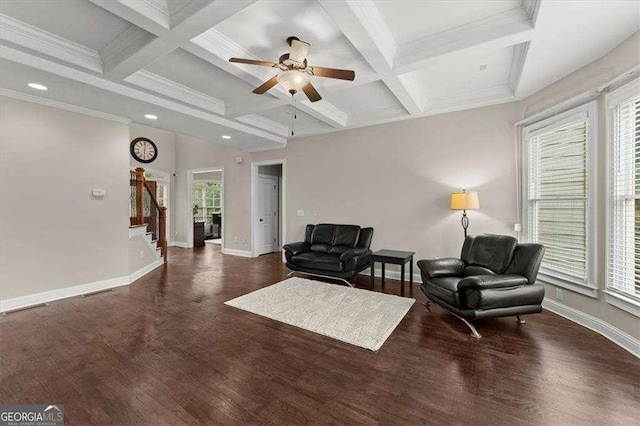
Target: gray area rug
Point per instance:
(360, 317)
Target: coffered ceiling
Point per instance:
(122, 59)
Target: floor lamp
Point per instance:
(464, 201)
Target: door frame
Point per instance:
(189, 209)
(282, 217)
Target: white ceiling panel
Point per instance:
(464, 74)
(571, 34)
(187, 69)
(77, 20)
(373, 98)
(410, 20)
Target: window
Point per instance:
(623, 208)
(558, 197)
(206, 200)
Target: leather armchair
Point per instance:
(336, 251)
(494, 277)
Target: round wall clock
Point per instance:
(143, 150)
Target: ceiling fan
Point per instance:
(294, 71)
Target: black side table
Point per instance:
(397, 258)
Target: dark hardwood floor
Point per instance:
(166, 350)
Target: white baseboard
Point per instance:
(393, 275)
(179, 244)
(234, 252)
(63, 293)
(617, 336)
(144, 271)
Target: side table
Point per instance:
(397, 258)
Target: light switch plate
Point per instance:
(300, 212)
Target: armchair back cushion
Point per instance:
(328, 238)
(526, 261)
(488, 252)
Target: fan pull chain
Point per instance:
(294, 115)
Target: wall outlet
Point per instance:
(517, 227)
(300, 212)
(559, 294)
(236, 239)
(315, 213)
(142, 255)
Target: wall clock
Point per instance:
(143, 150)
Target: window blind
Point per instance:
(623, 263)
(558, 197)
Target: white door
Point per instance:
(267, 226)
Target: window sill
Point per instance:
(568, 285)
(622, 302)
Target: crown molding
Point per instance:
(91, 79)
(154, 10)
(371, 19)
(33, 38)
(62, 105)
(177, 91)
(261, 122)
(501, 30)
(223, 47)
(517, 65)
(471, 99)
(124, 46)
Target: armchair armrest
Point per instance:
(296, 248)
(483, 282)
(445, 267)
(354, 252)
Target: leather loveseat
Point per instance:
(336, 251)
(494, 277)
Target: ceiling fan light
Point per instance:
(293, 81)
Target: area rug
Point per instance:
(360, 317)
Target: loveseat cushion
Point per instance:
(318, 260)
(346, 235)
(493, 252)
(323, 234)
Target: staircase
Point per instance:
(148, 218)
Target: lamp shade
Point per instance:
(464, 200)
(293, 81)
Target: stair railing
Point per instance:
(147, 211)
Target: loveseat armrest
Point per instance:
(443, 267)
(292, 249)
(354, 252)
(483, 282)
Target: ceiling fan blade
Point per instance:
(299, 50)
(332, 73)
(266, 85)
(311, 93)
(253, 62)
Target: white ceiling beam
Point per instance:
(216, 48)
(97, 80)
(489, 34)
(134, 56)
(520, 52)
(362, 23)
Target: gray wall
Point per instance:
(53, 234)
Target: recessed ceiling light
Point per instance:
(37, 86)
(151, 116)
(226, 137)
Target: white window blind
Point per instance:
(557, 203)
(623, 263)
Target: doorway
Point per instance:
(205, 207)
(267, 206)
